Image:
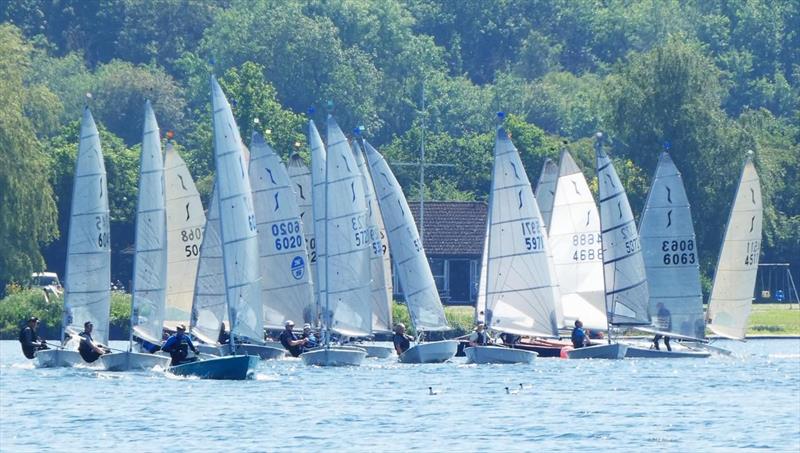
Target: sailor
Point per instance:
(290, 341)
(178, 346)
(401, 341)
(89, 350)
(579, 337)
(308, 335)
(664, 324)
(479, 336)
(224, 337)
(29, 339)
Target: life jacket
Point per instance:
(482, 338)
(180, 351)
(87, 352)
(578, 339)
(27, 349)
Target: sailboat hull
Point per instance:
(126, 361)
(263, 352)
(433, 352)
(56, 358)
(602, 351)
(377, 351)
(498, 354)
(337, 356)
(639, 352)
(237, 368)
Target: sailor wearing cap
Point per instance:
(178, 346)
(290, 341)
(29, 338)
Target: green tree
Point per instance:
(27, 208)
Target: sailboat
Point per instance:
(286, 289)
(150, 261)
(300, 177)
(345, 287)
(380, 263)
(185, 224)
(422, 298)
(732, 293)
(669, 248)
(626, 297)
(546, 190)
(521, 289)
(87, 296)
(238, 234)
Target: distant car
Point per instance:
(48, 281)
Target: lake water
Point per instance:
(747, 402)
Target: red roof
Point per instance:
(453, 227)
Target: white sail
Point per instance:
(732, 293)
(669, 249)
(88, 274)
(237, 223)
(346, 248)
(623, 267)
(480, 299)
(209, 309)
(286, 289)
(422, 298)
(318, 159)
(380, 262)
(185, 222)
(546, 190)
(521, 290)
(150, 262)
(575, 241)
(300, 176)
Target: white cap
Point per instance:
(288, 322)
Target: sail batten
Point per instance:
(150, 262)
(626, 294)
(286, 290)
(87, 295)
(521, 288)
(422, 298)
(732, 292)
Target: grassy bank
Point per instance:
(766, 319)
(774, 319)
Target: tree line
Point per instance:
(708, 79)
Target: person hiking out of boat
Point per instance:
(479, 336)
(88, 349)
(224, 337)
(178, 346)
(290, 341)
(664, 324)
(308, 335)
(401, 341)
(579, 337)
(29, 338)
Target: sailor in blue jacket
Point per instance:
(178, 345)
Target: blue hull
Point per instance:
(236, 367)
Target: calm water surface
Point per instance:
(747, 402)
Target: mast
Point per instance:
(327, 316)
(488, 237)
(598, 148)
(422, 173)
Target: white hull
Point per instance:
(640, 352)
(433, 352)
(498, 354)
(602, 351)
(126, 361)
(55, 358)
(377, 351)
(335, 356)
